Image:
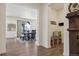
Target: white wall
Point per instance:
(43, 25)
(40, 15)
(66, 33)
(2, 29)
(60, 19)
(11, 34)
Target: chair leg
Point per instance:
(53, 43)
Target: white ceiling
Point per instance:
(21, 10)
(57, 6)
(28, 9)
(31, 5)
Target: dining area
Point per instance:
(25, 31)
(28, 36)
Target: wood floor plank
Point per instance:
(17, 48)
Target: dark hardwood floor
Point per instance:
(17, 48)
(56, 51)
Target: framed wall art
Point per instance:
(53, 22)
(11, 27)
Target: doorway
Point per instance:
(56, 26)
(25, 21)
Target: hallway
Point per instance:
(17, 48)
